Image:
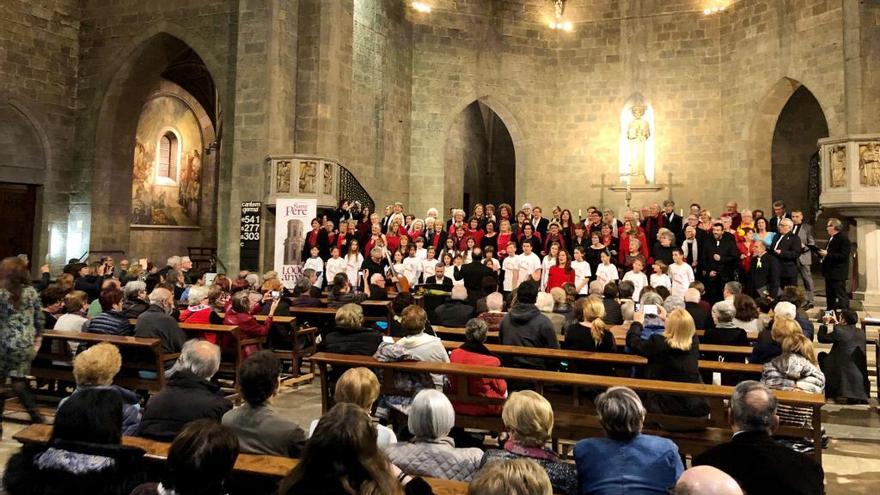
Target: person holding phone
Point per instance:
(845, 366)
(241, 314)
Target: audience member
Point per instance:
(156, 322)
(52, 302)
(415, 345)
(795, 369)
(76, 303)
(511, 477)
(259, 427)
(702, 318)
(135, 301)
(525, 326)
(240, 315)
(589, 334)
(725, 331)
(706, 480)
(528, 418)
(188, 395)
(455, 312)
(752, 457)
(769, 342)
(473, 351)
(359, 386)
(341, 292)
(626, 461)
(200, 460)
(545, 304)
(746, 314)
(494, 313)
(845, 366)
(111, 321)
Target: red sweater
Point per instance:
(478, 387)
(249, 328)
(557, 277)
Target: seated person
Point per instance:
(199, 309)
(341, 292)
(76, 304)
(346, 440)
(259, 427)
(96, 367)
(95, 306)
(769, 342)
(135, 301)
(725, 331)
(525, 325)
(84, 455)
(431, 452)
(625, 461)
(757, 462)
(400, 302)
(590, 334)
(528, 418)
(795, 369)
(111, 321)
(240, 314)
(200, 461)
(376, 290)
(706, 480)
(52, 300)
(439, 280)
(313, 290)
(359, 386)
(455, 312)
(493, 314)
(512, 477)
(474, 352)
(304, 297)
(349, 336)
(702, 318)
(545, 305)
(188, 395)
(610, 292)
(845, 366)
(156, 322)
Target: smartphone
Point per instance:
(382, 325)
(650, 309)
(829, 313)
(637, 307)
(276, 294)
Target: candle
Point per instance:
(681, 212)
(579, 213)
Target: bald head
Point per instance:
(706, 480)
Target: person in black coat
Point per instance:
(671, 220)
(526, 326)
(455, 312)
(589, 333)
(349, 337)
(787, 249)
(702, 318)
(758, 463)
(718, 262)
(846, 365)
(157, 323)
(779, 213)
(473, 274)
(84, 455)
(673, 356)
(439, 280)
(188, 395)
(835, 265)
(613, 313)
(724, 332)
(764, 276)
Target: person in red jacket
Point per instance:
(474, 352)
(240, 314)
(561, 273)
(199, 311)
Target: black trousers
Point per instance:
(836, 294)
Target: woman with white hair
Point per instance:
(200, 311)
(135, 301)
(545, 305)
(432, 452)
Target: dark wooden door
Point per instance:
(18, 201)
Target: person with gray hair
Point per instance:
(672, 302)
(724, 332)
(474, 352)
(157, 323)
(189, 394)
(455, 312)
(306, 284)
(731, 290)
(432, 452)
(494, 313)
(655, 461)
(757, 462)
(787, 249)
(134, 302)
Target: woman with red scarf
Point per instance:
(240, 314)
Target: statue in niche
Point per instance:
(328, 179)
(838, 166)
(637, 134)
(869, 165)
(282, 177)
(308, 177)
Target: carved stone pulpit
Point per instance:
(850, 168)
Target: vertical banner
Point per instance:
(292, 222)
(249, 235)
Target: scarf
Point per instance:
(532, 452)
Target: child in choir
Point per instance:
(681, 275)
(353, 261)
(660, 278)
(412, 266)
(606, 272)
(397, 263)
(490, 260)
(469, 244)
(335, 264)
(421, 252)
(638, 279)
(429, 263)
(549, 261)
(582, 272)
(510, 267)
(316, 263)
(456, 270)
(529, 265)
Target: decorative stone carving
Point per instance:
(869, 164)
(282, 177)
(838, 166)
(308, 175)
(328, 178)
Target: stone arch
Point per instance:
(518, 137)
(120, 97)
(29, 159)
(761, 134)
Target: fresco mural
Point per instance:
(167, 168)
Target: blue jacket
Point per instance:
(109, 323)
(646, 464)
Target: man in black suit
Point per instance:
(778, 214)
(718, 261)
(835, 265)
(787, 249)
(763, 273)
(671, 220)
(473, 274)
(455, 312)
(540, 223)
(439, 280)
(752, 457)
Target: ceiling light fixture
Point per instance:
(421, 7)
(558, 23)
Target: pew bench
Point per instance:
(54, 361)
(575, 417)
(269, 466)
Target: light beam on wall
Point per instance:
(715, 7)
(557, 23)
(422, 7)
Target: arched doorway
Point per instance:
(800, 125)
(480, 160)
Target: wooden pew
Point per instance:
(194, 330)
(138, 354)
(265, 465)
(575, 418)
(607, 357)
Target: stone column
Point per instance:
(867, 295)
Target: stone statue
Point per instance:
(282, 177)
(637, 134)
(838, 166)
(869, 165)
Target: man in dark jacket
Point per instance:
(719, 259)
(787, 249)
(763, 273)
(702, 318)
(835, 265)
(455, 312)
(610, 299)
(157, 323)
(188, 395)
(473, 274)
(526, 326)
(752, 457)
